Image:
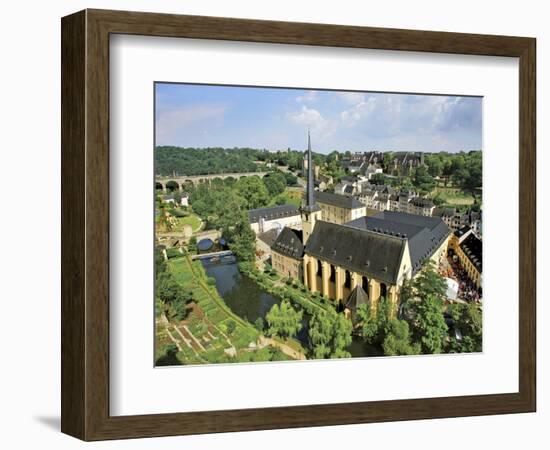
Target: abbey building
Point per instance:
(350, 258)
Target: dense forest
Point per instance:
(213, 160)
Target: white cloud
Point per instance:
(361, 110)
(308, 97)
(312, 118)
(172, 123)
(351, 98)
(307, 116)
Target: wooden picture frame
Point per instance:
(85, 224)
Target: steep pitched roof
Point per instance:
(424, 234)
(337, 200)
(356, 298)
(268, 237)
(348, 189)
(444, 212)
(364, 251)
(289, 243)
(272, 213)
(422, 202)
(473, 248)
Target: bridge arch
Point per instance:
(159, 186)
(172, 185)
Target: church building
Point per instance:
(356, 259)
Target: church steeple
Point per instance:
(310, 182)
(310, 211)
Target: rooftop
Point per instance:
(289, 243)
(422, 202)
(472, 246)
(272, 213)
(424, 234)
(356, 298)
(374, 254)
(268, 237)
(340, 201)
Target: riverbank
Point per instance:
(212, 332)
(302, 298)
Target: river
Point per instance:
(250, 301)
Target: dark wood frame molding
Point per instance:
(85, 224)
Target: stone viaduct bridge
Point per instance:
(176, 182)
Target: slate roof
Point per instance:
(269, 236)
(356, 298)
(289, 243)
(422, 202)
(424, 234)
(444, 212)
(348, 189)
(472, 247)
(337, 200)
(374, 254)
(403, 158)
(350, 179)
(462, 231)
(272, 213)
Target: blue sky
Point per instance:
(191, 115)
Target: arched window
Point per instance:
(383, 290)
(365, 283)
(347, 280)
(319, 268)
(332, 274)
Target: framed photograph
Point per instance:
(272, 225)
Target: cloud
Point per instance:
(383, 115)
(353, 115)
(308, 117)
(312, 118)
(351, 98)
(308, 97)
(171, 124)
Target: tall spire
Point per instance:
(310, 183)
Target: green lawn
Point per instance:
(453, 196)
(191, 219)
(288, 197)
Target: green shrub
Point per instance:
(173, 252)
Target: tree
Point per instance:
(423, 180)
(291, 179)
(330, 334)
(169, 358)
(368, 322)
(243, 241)
(177, 197)
(173, 296)
(398, 339)
(469, 175)
(388, 160)
(435, 165)
(429, 327)
(429, 282)
(231, 325)
(378, 178)
(467, 319)
(253, 191)
(160, 263)
(284, 320)
(192, 245)
(259, 324)
(275, 183)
